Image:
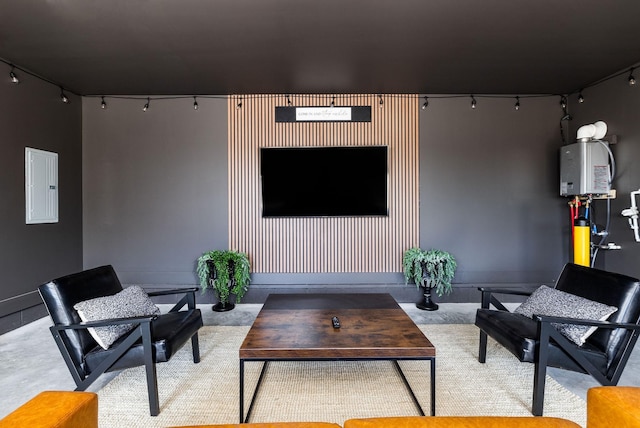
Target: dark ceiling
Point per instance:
(217, 47)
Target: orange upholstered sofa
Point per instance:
(613, 406)
(607, 406)
(416, 422)
(55, 409)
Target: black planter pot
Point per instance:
(426, 304)
(213, 274)
(223, 307)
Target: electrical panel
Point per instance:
(584, 169)
(41, 186)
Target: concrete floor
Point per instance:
(30, 361)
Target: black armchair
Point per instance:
(535, 340)
(154, 338)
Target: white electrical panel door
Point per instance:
(41, 186)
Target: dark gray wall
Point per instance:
(155, 186)
(489, 189)
(155, 191)
(32, 115)
(618, 104)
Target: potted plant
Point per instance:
(226, 272)
(432, 269)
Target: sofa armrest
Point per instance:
(613, 406)
(55, 409)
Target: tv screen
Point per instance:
(324, 181)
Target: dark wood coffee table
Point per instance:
(298, 327)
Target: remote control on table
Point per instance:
(336, 322)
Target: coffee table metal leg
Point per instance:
(241, 390)
(413, 395)
(245, 419)
(433, 386)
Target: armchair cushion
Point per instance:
(551, 302)
(131, 302)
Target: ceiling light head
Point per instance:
(426, 103)
(517, 104)
(289, 103)
(381, 102)
(146, 105)
(333, 102)
(239, 105)
(103, 104)
(474, 103)
(563, 102)
(13, 76)
(63, 96)
(631, 79)
(580, 97)
(195, 103)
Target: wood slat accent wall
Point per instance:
(324, 244)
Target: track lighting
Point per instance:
(103, 104)
(12, 76)
(195, 103)
(517, 104)
(631, 79)
(63, 96)
(580, 97)
(289, 101)
(146, 106)
(381, 101)
(563, 102)
(333, 102)
(239, 105)
(473, 102)
(426, 103)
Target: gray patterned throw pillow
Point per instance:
(131, 302)
(555, 303)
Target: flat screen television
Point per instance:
(324, 181)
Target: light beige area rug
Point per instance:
(208, 392)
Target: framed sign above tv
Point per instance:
(324, 181)
(324, 114)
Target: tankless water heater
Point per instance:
(584, 169)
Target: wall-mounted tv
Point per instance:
(324, 181)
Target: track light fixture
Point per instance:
(381, 101)
(580, 97)
(517, 104)
(239, 105)
(195, 103)
(333, 102)
(631, 79)
(289, 101)
(563, 102)
(63, 96)
(13, 76)
(146, 106)
(473, 102)
(426, 103)
(103, 104)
